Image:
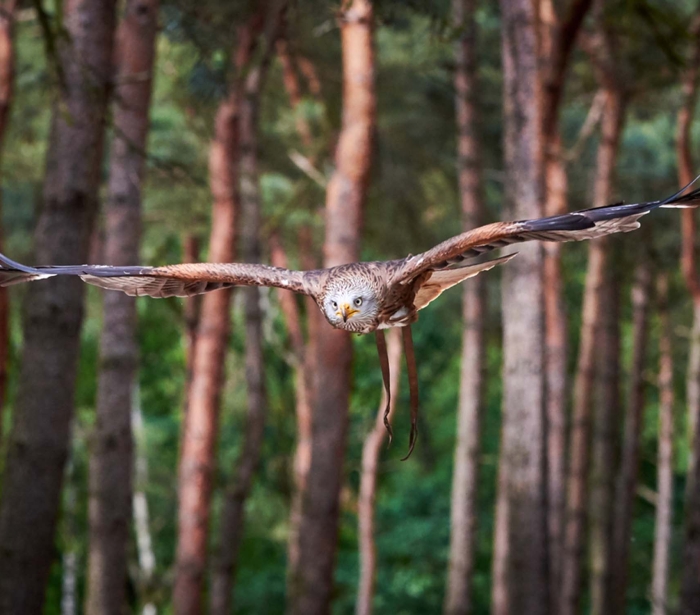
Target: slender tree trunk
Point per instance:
(458, 598)
(7, 81)
(606, 421)
(520, 570)
(557, 39)
(626, 484)
(111, 457)
(371, 451)
(312, 589)
(690, 584)
(144, 541)
(197, 457)
(664, 481)
(303, 353)
(302, 370)
(556, 375)
(233, 514)
(291, 84)
(69, 557)
(578, 478)
(191, 311)
(53, 310)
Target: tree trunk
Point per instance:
(7, 81)
(557, 39)
(198, 452)
(54, 309)
(556, 353)
(111, 457)
(606, 422)
(69, 557)
(191, 310)
(458, 598)
(664, 481)
(312, 589)
(302, 370)
(233, 514)
(690, 583)
(578, 478)
(371, 451)
(291, 84)
(142, 530)
(303, 353)
(626, 484)
(520, 571)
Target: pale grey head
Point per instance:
(351, 303)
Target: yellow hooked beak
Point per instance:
(346, 312)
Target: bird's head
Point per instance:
(351, 305)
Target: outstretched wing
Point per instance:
(169, 281)
(576, 226)
(440, 281)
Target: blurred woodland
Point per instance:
(224, 454)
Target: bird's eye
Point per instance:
(358, 302)
(334, 305)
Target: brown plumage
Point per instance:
(363, 297)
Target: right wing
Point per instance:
(575, 226)
(170, 281)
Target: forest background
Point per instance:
(253, 115)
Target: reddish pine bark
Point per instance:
(371, 450)
(233, 513)
(197, 456)
(606, 423)
(458, 598)
(626, 483)
(557, 38)
(580, 446)
(191, 312)
(664, 481)
(311, 590)
(520, 578)
(7, 79)
(303, 352)
(557, 390)
(303, 369)
(291, 84)
(54, 309)
(690, 584)
(111, 458)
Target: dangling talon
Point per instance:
(384, 363)
(413, 387)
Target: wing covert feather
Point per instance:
(576, 226)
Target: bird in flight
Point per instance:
(365, 297)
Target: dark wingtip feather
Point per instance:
(691, 199)
(678, 198)
(563, 222)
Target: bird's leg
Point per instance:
(412, 386)
(384, 362)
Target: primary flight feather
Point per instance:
(366, 296)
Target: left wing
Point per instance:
(169, 281)
(576, 226)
